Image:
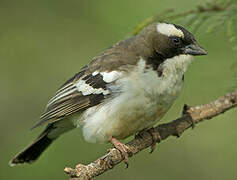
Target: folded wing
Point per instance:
(82, 91)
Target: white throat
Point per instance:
(176, 65)
(171, 80)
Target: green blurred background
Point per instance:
(43, 43)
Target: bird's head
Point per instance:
(170, 40)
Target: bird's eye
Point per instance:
(176, 40)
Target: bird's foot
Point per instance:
(123, 148)
(185, 112)
(139, 134)
(155, 138)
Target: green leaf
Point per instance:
(188, 21)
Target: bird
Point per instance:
(123, 91)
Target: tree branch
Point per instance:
(190, 116)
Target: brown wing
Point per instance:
(77, 94)
(87, 88)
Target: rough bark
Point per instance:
(190, 116)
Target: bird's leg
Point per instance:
(155, 138)
(123, 148)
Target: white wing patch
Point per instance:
(109, 77)
(95, 73)
(86, 89)
(169, 30)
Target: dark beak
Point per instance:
(194, 49)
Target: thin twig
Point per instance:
(191, 116)
(170, 14)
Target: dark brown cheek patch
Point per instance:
(155, 60)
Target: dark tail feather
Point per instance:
(32, 152)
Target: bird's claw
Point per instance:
(155, 138)
(123, 148)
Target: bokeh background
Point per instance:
(43, 43)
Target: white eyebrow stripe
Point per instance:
(169, 30)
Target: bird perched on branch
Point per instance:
(125, 90)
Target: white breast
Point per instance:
(140, 100)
